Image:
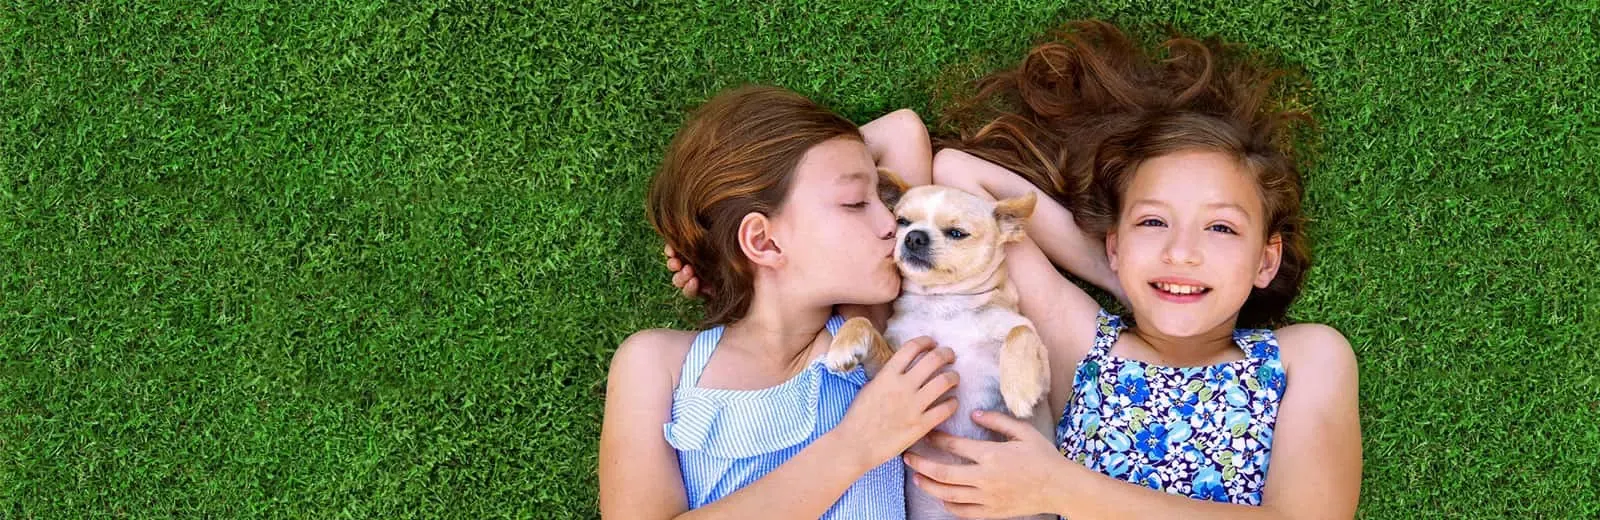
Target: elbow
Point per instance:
(909, 127)
(954, 168)
(907, 119)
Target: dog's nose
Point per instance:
(917, 240)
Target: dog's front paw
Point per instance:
(850, 345)
(1024, 371)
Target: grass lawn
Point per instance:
(371, 259)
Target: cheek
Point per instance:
(1248, 260)
(970, 253)
(1132, 254)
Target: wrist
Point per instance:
(1069, 488)
(853, 455)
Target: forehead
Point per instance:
(1197, 178)
(841, 160)
(943, 205)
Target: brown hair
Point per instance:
(1080, 114)
(735, 155)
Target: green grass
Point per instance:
(370, 259)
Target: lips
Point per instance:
(1179, 290)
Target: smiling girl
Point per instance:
(1185, 167)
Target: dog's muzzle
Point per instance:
(915, 253)
(917, 242)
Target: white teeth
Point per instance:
(1180, 289)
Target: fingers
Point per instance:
(935, 360)
(902, 358)
(1003, 424)
(955, 475)
(968, 510)
(673, 264)
(965, 448)
(691, 289)
(938, 414)
(946, 492)
(681, 278)
(936, 386)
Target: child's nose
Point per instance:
(885, 225)
(1181, 250)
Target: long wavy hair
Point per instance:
(1082, 111)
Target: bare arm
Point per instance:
(1062, 313)
(899, 142)
(1051, 226)
(1315, 466)
(1316, 444)
(639, 476)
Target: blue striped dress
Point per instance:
(727, 439)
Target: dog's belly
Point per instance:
(976, 339)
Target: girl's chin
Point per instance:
(1181, 327)
(890, 290)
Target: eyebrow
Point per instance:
(854, 177)
(1215, 205)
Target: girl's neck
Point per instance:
(1198, 350)
(779, 332)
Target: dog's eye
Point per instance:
(901, 221)
(955, 233)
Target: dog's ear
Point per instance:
(1011, 214)
(890, 187)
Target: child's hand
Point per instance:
(1008, 478)
(897, 407)
(683, 276)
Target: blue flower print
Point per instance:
(1153, 441)
(1271, 377)
(1116, 440)
(1178, 432)
(1147, 476)
(1131, 384)
(1186, 405)
(1115, 464)
(1208, 486)
(1235, 419)
(1202, 432)
(1236, 395)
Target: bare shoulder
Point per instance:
(650, 358)
(1316, 345)
(637, 467)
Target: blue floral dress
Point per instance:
(1200, 432)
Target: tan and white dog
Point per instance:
(950, 251)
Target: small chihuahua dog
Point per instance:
(950, 252)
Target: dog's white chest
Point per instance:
(975, 334)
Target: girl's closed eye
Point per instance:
(857, 205)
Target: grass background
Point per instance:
(370, 259)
